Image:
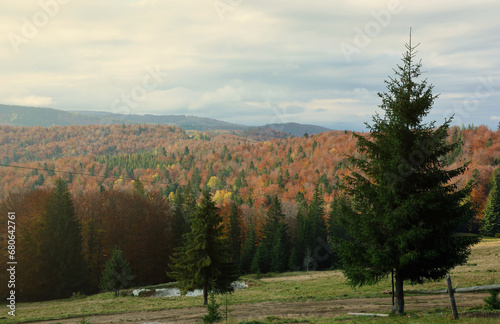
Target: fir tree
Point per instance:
(260, 261)
(279, 255)
(116, 274)
(318, 229)
(294, 262)
(491, 216)
(139, 188)
(235, 232)
(248, 250)
(180, 211)
(275, 232)
(303, 232)
(312, 232)
(404, 207)
(205, 255)
(63, 271)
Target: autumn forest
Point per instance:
(134, 187)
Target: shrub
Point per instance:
(492, 302)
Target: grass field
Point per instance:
(297, 297)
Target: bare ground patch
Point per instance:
(311, 308)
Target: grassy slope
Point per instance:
(483, 268)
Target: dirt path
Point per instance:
(329, 308)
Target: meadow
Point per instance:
(293, 297)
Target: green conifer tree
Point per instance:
(205, 255)
(248, 250)
(63, 271)
(491, 217)
(235, 233)
(275, 232)
(116, 274)
(260, 261)
(279, 259)
(404, 206)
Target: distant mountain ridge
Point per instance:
(11, 115)
(296, 129)
(182, 121)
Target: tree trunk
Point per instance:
(399, 306)
(205, 294)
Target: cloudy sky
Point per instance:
(248, 61)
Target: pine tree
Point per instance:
(64, 270)
(180, 223)
(235, 233)
(294, 261)
(299, 247)
(248, 250)
(279, 253)
(205, 255)
(116, 274)
(491, 216)
(312, 232)
(139, 188)
(318, 229)
(260, 261)
(404, 205)
(275, 232)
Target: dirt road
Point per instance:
(312, 308)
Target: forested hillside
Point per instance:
(165, 158)
(135, 187)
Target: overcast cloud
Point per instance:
(248, 61)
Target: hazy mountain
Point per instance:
(298, 129)
(45, 117)
(182, 121)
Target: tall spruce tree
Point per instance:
(63, 271)
(205, 256)
(491, 216)
(404, 206)
(248, 250)
(276, 237)
(235, 232)
(260, 260)
(312, 234)
(317, 242)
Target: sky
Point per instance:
(251, 62)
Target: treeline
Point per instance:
(63, 241)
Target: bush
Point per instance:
(492, 302)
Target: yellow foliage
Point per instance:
(221, 196)
(213, 182)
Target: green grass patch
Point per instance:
(285, 287)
